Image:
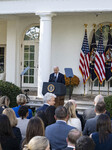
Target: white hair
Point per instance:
(98, 98)
(48, 96)
(55, 67)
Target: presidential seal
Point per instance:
(51, 88)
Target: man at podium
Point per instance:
(57, 76)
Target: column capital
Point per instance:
(45, 15)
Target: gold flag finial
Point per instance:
(85, 27)
(101, 27)
(94, 25)
(110, 26)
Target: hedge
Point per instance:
(10, 90)
(108, 101)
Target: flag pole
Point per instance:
(84, 89)
(99, 87)
(86, 32)
(108, 88)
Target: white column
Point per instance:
(11, 52)
(44, 50)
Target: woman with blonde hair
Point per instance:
(4, 103)
(73, 119)
(13, 121)
(21, 100)
(38, 143)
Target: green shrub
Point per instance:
(10, 90)
(108, 101)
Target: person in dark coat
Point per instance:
(90, 125)
(57, 76)
(8, 140)
(49, 100)
(58, 132)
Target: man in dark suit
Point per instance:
(57, 76)
(58, 132)
(90, 125)
(90, 113)
(73, 135)
(49, 100)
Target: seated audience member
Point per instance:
(58, 132)
(90, 113)
(90, 125)
(50, 112)
(7, 138)
(103, 136)
(49, 100)
(13, 121)
(4, 103)
(85, 143)
(35, 128)
(23, 121)
(38, 143)
(21, 100)
(73, 119)
(73, 135)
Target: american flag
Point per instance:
(84, 59)
(100, 60)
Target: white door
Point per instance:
(30, 58)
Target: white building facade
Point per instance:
(47, 33)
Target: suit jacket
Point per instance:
(57, 134)
(90, 113)
(90, 126)
(43, 108)
(60, 79)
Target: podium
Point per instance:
(58, 89)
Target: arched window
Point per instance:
(32, 33)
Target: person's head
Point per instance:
(5, 127)
(61, 113)
(71, 109)
(23, 112)
(98, 98)
(9, 112)
(100, 108)
(4, 100)
(85, 143)
(73, 135)
(56, 69)
(38, 143)
(103, 126)
(49, 98)
(35, 127)
(21, 99)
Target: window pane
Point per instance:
(31, 79)
(31, 63)
(26, 48)
(31, 56)
(31, 48)
(1, 59)
(25, 79)
(26, 56)
(31, 72)
(25, 64)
